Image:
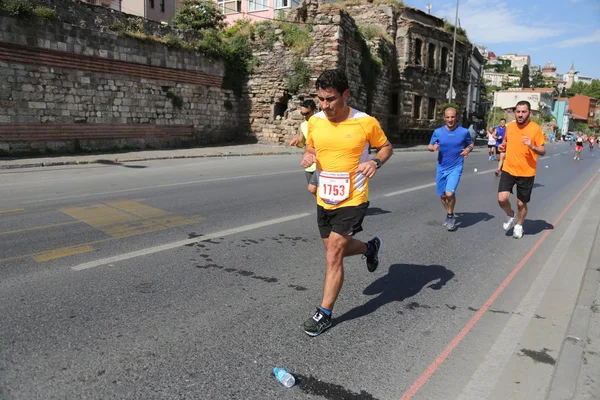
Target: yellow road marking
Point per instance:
(35, 228)
(16, 210)
(63, 252)
(119, 219)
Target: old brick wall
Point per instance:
(57, 73)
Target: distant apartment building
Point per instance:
(114, 4)
(560, 112)
(541, 99)
(583, 109)
(156, 10)
(254, 10)
(493, 78)
(518, 61)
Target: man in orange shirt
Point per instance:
(523, 143)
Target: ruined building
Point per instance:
(398, 60)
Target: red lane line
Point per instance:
(461, 335)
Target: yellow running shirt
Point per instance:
(340, 148)
(304, 129)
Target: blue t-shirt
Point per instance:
(451, 143)
(500, 133)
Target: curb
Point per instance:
(123, 160)
(565, 378)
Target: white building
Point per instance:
(518, 61)
(541, 99)
(493, 78)
(475, 83)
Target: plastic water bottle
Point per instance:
(284, 377)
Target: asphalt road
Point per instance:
(191, 278)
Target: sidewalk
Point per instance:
(166, 154)
(577, 370)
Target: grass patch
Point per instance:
(371, 31)
(296, 37)
(461, 33)
(45, 12)
(17, 8)
(595, 307)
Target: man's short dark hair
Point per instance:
(503, 119)
(333, 79)
(524, 103)
(309, 104)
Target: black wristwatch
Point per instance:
(378, 162)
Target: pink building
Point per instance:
(254, 10)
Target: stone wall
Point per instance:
(75, 71)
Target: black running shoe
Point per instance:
(317, 324)
(373, 258)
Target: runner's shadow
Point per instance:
(401, 282)
(535, 226)
(537, 185)
(465, 220)
(376, 211)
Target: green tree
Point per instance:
(199, 14)
(537, 81)
(525, 77)
(591, 90)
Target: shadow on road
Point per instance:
(535, 226)
(401, 282)
(376, 211)
(110, 162)
(464, 220)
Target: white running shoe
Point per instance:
(518, 231)
(510, 222)
(575, 158)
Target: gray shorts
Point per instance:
(312, 178)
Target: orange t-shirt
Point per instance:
(519, 159)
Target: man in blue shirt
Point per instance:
(500, 133)
(453, 144)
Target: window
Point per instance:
(258, 5)
(282, 4)
(394, 103)
(444, 66)
(417, 107)
(418, 51)
(162, 5)
(431, 108)
(431, 56)
(230, 6)
(151, 3)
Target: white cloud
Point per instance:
(490, 22)
(594, 37)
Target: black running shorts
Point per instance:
(524, 185)
(346, 221)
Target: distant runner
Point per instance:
(500, 132)
(578, 146)
(307, 109)
(491, 137)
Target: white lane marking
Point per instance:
(488, 373)
(486, 171)
(164, 186)
(169, 246)
(558, 154)
(408, 190)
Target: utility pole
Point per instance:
(453, 54)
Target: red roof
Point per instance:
(492, 55)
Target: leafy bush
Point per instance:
(296, 36)
(299, 78)
(172, 41)
(17, 8)
(45, 12)
(199, 14)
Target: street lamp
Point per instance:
(428, 8)
(453, 54)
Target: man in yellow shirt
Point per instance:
(307, 109)
(339, 139)
(522, 144)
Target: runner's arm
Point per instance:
(298, 140)
(384, 152)
(309, 157)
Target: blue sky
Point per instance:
(563, 31)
